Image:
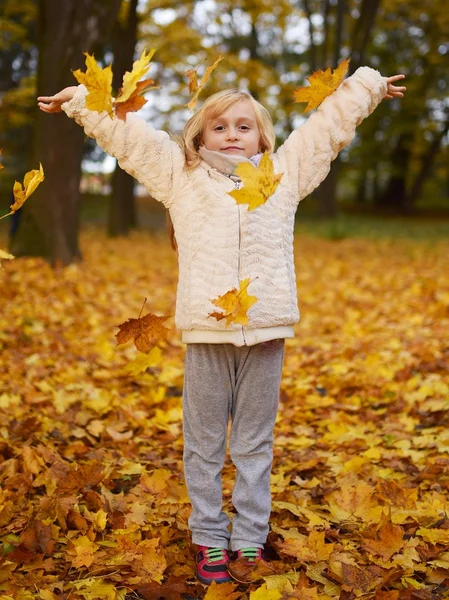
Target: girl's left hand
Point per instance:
(392, 90)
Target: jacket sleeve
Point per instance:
(307, 153)
(147, 154)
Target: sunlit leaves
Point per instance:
(322, 84)
(98, 82)
(259, 183)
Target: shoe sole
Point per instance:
(207, 581)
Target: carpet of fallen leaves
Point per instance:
(92, 499)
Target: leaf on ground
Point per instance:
(195, 86)
(385, 539)
(98, 82)
(323, 83)
(259, 183)
(263, 593)
(222, 591)
(235, 303)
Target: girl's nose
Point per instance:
(232, 133)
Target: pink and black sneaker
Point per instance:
(211, 565)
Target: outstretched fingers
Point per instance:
(394, 91)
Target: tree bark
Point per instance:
(426, 165)
(50, 219)
(122, 208)
(395, 196)
(361, 34)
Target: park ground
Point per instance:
(93, 502)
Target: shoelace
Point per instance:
(250, 553)
(215, 554)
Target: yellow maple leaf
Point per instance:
(4, 256)
(222, 591)
(131, 78)
(259, 183)
(323, 83)
(152, 558)
(98, 82)
(195, 86)
(235, 303)
(146, 331)
(21, 192)
(263, 593)
(314, 549)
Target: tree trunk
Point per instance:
(426, 165)
(362, 32)
(122, 208)
(395, 196)
(50, 219)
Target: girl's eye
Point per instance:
(219, 128)
(244, 127)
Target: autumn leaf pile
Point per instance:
(92, 498)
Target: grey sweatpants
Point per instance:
(224, 381)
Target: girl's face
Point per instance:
(234, 132)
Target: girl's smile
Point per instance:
(235, 131)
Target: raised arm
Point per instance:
(307, 153)
(147, 154)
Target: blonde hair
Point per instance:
(191, 138)
(213, 107)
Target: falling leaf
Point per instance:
(129, 98)
(323, 83)
(235, 303)
(1, 166)
(144, 361)
(98, 82)
(146, 331)
(131, 78)
(195, 86)
(259, 183)
(4, 256)
(30, 182)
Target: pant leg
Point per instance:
(254, 412)
(209, 383)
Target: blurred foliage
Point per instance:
(270, 48)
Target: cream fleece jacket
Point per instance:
(220, 242)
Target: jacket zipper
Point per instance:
(236, 186)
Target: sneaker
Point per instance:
(211, 565)
(250, 554)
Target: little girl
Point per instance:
(231, 371)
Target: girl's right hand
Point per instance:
(52, 104)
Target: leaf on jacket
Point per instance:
(195, 86)
(30, 182)
(323, 83)
(129, 98)
(235, 303)
(259, 183)
(146, 332)
(98, 82)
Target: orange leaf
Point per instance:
(323, 83)
(196, 86)
(136, 100)
(385, 540)
(146, 331)
(222, 591)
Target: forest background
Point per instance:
(397, 164)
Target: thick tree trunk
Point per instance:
(395, 195)
(49, 221)
(122, 208)
(426, 165)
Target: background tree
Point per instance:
(49, 225)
